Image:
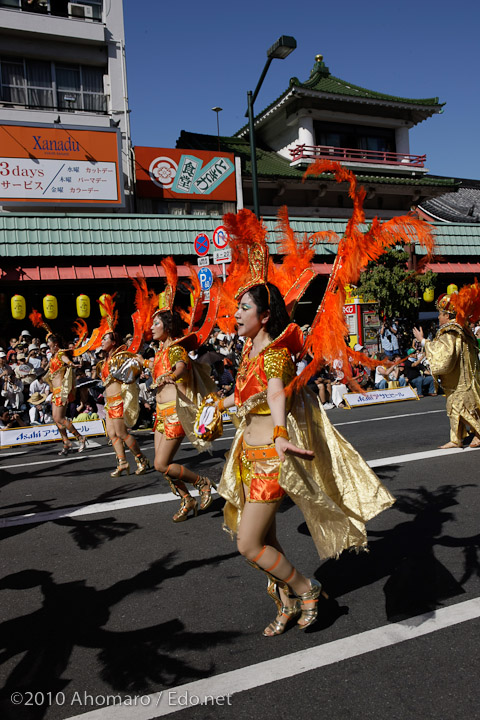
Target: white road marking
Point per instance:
(388, 417)
(86, 455)
(253, 676)
(125, 503)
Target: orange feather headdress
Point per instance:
(38, 321)
(80, 329)
(109, 319)
(466, 304)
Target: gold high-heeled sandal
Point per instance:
(82, 443)
(66, 449)
(122, 466)
(143, 463)
(310, 599)
(204, 486)
(286, 613)
(188, 503)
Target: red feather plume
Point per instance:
(36, 318)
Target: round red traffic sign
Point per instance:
(202, 244)
(220, 237)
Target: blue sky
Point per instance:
(183, 58)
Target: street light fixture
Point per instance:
(217, 110)
(280, 50)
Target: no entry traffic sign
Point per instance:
(220, 237)
(202, 244)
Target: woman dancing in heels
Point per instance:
(118, 373)
(173, 378)
(61, 378)
(270, 457)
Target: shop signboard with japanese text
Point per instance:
(59, 165)
(185, 174)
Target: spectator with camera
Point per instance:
(388, 338)
(9, 419)
(423, 383)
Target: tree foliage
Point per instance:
(397, 290)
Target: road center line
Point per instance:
(125, 503)
(230, 683)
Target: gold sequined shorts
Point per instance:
(166, 420)
(260, 468)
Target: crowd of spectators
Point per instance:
(26, 397)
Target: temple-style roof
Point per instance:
(325, 91)
(462, 206)
(272, 165)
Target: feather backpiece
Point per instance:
(359, 245)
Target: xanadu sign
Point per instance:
(60, 165)
(185, 174)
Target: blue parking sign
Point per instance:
(205, 277)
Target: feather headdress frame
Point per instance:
(166, 299)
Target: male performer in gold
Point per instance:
(453, 358)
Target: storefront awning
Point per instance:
(466, 268)
(108, 272)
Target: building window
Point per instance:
(361, 137)
(45, 85)
(78, 9)
(80, 88)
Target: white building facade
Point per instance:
(62, 65)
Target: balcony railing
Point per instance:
(79, 10)
(354, 155)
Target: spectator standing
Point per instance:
(388, 338)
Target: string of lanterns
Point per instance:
(50, 304)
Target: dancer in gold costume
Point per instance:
(61, 378)
(180, 384)
(118, 373)
(272, 452)
(453, 359)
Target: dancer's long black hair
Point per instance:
(271, 300)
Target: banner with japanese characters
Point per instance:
(47, 433)
(61, 165)
(377, 397)
(185, 174)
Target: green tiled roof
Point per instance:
(272, 165)
(113, 238)
(321, 80)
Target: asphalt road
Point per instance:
(103, 598)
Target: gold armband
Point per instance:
(221, 404)
(146, 363)
(280, 431)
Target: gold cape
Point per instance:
(68, 381)
(453, 358)
(337, 492)
(198, 384)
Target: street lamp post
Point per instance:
(280, 49)
(217, 110)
